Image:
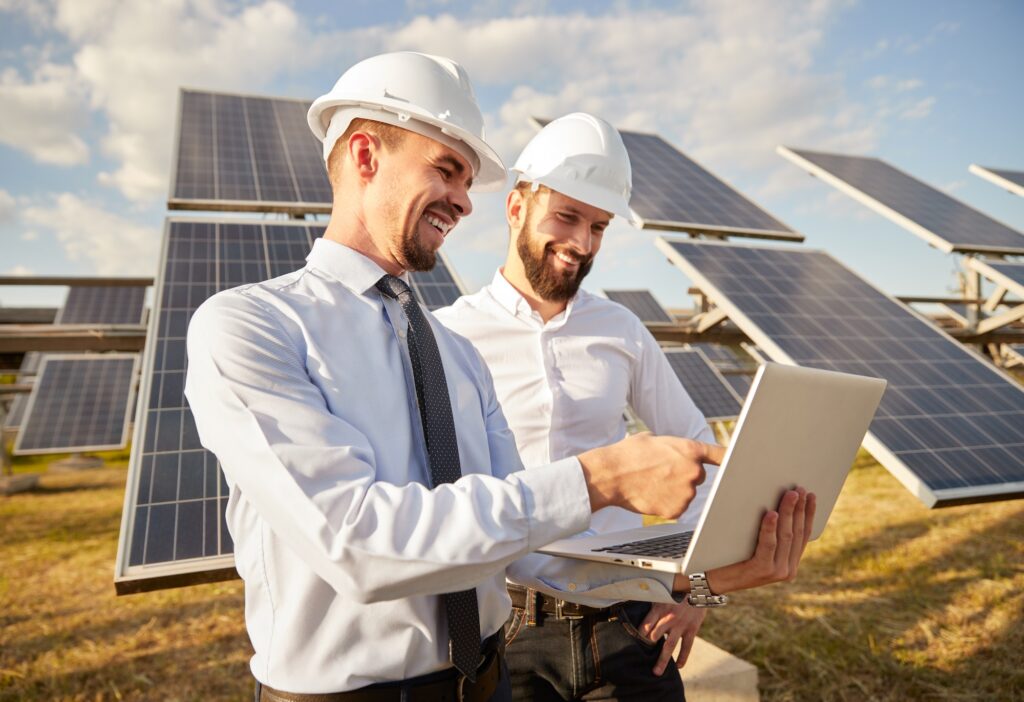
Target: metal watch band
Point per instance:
(701, 595)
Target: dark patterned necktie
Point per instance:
(443, 456)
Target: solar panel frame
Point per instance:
(1011, 181)
(639, 165)
(1015, 352)
(129, 577)
(26, 373)
(881, 452)
(696, 387)
(935, 239)
(721, 356)
(1008, 274)
(300, 170)
(103, 304)
(48, 362)
(642, 303)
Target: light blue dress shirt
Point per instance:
(302, 387)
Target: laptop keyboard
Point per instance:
(671, 546)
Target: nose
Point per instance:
(581, 239)
(459, 200)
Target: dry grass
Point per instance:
(894, 603)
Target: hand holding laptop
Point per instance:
(780, 546)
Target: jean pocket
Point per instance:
(514, 625)
(630, 623)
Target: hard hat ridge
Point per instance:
(581, 156)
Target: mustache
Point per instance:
(444, 208)
(567, 251)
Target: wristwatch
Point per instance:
(700, 593)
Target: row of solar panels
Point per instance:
(950, 431)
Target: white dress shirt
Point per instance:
(563, 387)
(302, 387)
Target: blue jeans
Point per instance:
(581, 659)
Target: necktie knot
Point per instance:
(393, 287)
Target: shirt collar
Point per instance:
(512, 300)
(346, 265)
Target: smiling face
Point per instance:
(557, 240)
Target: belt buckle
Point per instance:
(560, 611)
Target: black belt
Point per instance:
(448, 686)
(534, 602)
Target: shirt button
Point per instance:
(572, 587)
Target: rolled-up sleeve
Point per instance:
(312, 476)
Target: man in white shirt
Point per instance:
(566, 364)
(376, 494)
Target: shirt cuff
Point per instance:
(557, 501)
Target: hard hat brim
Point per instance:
(491, 175)
(592, 195)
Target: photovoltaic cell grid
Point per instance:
(1009, 180)
(436, 288)
(642, 304)
(247, 153)
(721, 356)
(26, 373)
(740, 383)
(672, 191)
(176, 493)
(939, 219)
(78, 403)
(950, 426)
(103, 304)
(713, 396)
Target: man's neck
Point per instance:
(515, 275)
(347, 228)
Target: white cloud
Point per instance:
(20, 270)
(29, 235)
(42, 116)
(112, 244)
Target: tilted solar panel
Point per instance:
(740, 383)
(950, 426)
(247, 153)
(103, 304)
(173, 531)
(436, 288)
(714, 397)
(944, 222)
(1005, 273)
(1012, 181)
(642, 304)
(26, 373)
(78, 403)
(721, 356)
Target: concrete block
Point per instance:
(714, 675)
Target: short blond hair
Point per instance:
(390, 136)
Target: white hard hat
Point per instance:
(430, 95)
(583, 157)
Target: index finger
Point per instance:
(712, 453)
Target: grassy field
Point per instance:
(895, 602)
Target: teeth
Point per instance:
(564, 257)
(437, 223)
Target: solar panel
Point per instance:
(950, 426)
(642, 304)
(26, 373)
(739, 382)
(103, 304)
(713, 396)
(1010, 180)
(437, 288)
(944, 222)
(247, 153)
(671, 191)
(957, 311)
(173, 531)
(721, 356)
(78, 403)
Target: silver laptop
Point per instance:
(798, 427)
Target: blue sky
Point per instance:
(88, 97)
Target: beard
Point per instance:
(547, 282)
(415, 256)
